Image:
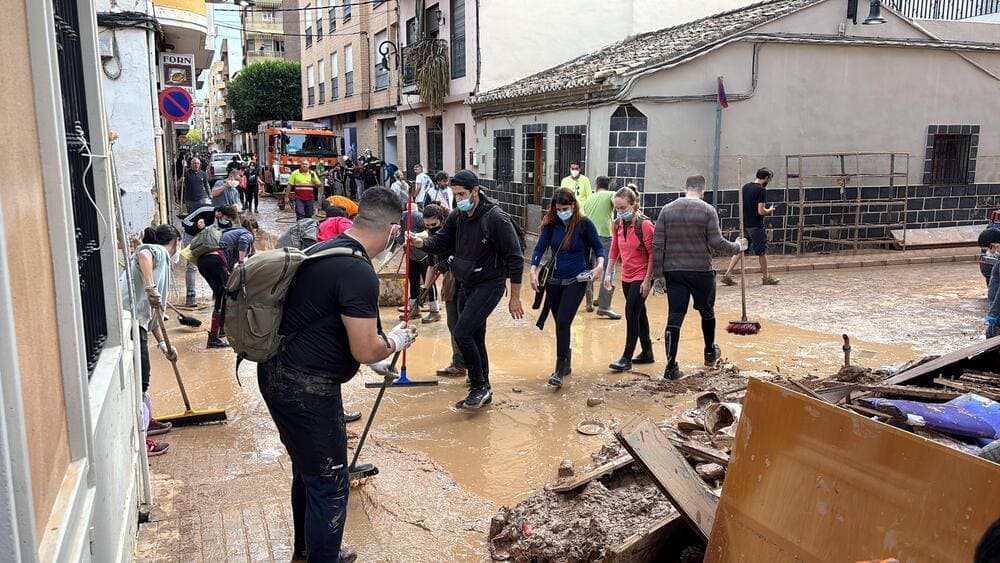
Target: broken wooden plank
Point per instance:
(701, 451)
(671, 471)
(807, 391)
(810, 482)
(945, 361)
(967, 388)
(908, 391)
(868, 412)
(568, 484)
(645, 546)
(835, 393)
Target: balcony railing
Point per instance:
(410, 56)
(944, 9)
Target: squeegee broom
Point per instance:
(742, 327)
(189, 416)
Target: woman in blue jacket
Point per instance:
(569, 238)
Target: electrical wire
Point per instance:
(345, 4)
(277, 34)
(85, 151)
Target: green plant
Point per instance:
(432, 74)
(195, 136)
(270, 89)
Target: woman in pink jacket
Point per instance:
(632, 242)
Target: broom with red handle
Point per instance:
(742, 327)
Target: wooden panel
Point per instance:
(812, 482)
(944, 361)
(647, 545)
(672, 473)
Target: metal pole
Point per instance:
(718, 148)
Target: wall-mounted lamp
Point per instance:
(384, 49)
(874, 13)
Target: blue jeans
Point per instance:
(474, 307)
(304, 209)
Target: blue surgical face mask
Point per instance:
(464, 205)
(565, 215)
(626, 215)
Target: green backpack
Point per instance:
(255, 300)
(206, 241)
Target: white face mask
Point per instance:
(382, 257)
(574, 173)
(176, 256)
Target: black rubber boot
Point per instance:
(623, 364)
(568, 368)
(673, 372)
(215, 342)
(555, 379)
(646, 357)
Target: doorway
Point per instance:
(459, 146)
(387, 134)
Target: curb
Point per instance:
(873, 262)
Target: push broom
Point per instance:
(189, 416)
(742, 327)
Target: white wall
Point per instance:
(522, 37)
(128, 102)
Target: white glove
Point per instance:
(401, 337)
(170, 353)
(744, 244)
(383, 368)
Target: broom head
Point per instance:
(189, 321)
(189, 418)
(743, 328)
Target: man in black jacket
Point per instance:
(487, 251)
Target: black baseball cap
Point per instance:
(465, 179)
(988, 237)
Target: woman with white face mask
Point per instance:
(569, 237)
(632, 242)
(149, 270)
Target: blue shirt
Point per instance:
(231, 196)
(571, 260)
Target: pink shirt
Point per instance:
(333, 227)
(625, 245)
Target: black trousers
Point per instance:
(474, 307)
(682, 289)
(144, 357)
(213, 268)
(451, 308)
(252, 202)
(418, 271)
(564, 301)
(636, 321)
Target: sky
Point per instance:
(227, 16)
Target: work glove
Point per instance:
(744, 243)
(153, 295)
(383, 368)
(992, 325)
(401, 337)
(170, 353)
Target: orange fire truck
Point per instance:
(283, 145)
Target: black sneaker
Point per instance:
(555, 380)
(478, 397)
(215, 342)
(351, 416)
(713, 355)
(673, 373)
(644, 358)
(623, 364)
(347, 555)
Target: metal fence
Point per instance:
(85, 223)
(944, 9)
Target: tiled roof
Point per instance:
(636, 53)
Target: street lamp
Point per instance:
(874, 14)
(383, 49)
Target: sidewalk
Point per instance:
(860, 259)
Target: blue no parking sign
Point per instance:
(176, 104)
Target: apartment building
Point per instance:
(264, 30)
(220, 135)
(344, 84)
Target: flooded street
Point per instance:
(221, 492)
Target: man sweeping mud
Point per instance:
(330, 326)
(487, 251)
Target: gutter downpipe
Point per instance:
(160, 171)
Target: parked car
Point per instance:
(217, 166)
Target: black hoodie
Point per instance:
(479, 261)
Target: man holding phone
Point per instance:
(755, 208)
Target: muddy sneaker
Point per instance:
(351, 416)
(432, 317)
(191, 302)
(154, 448)
(609, 314)
(646, 357)
(215, 342)
(555, 379)
(156, 427)
(347, 555)
(728, 280)
(478, 396)
(770, 280)
(713, 355)
(673, 373)
(451, 371)
(623, 364)
(414, 315)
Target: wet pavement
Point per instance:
(222, 490)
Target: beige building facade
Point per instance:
(343, 86)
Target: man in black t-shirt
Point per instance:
(331, 327)
(755, 208)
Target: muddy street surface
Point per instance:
(221, 491)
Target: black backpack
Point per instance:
(485, 226)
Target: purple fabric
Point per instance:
(965, 416)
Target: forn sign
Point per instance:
(177, 70)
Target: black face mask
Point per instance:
(433, 230)
(224, 223)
